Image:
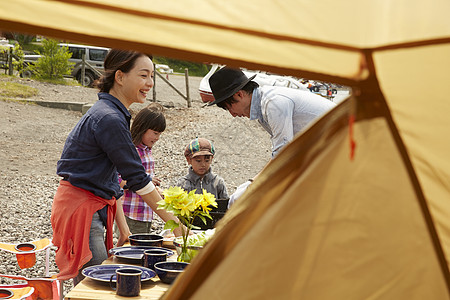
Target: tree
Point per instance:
(22, 39)
(54, 61)
(18, 58)
(195, 69)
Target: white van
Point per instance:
(94, 57)
(163, 69)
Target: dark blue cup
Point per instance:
(128, 282)
(152, 256)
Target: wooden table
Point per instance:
(89, 289)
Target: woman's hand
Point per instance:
(124, 230)
(160, 191)
(152, 200)
(122, 239)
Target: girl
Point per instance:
(95, 151)
(146, 129)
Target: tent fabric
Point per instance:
(394, 55)
(331, 222)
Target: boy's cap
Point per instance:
(199, 146)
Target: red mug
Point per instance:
(26, 260)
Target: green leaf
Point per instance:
(202, 218)
(207, 215)
(171, 224)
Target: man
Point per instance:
(281, 111)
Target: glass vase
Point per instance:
(185, 254)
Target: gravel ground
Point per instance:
(33, 136)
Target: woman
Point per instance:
(98, 147)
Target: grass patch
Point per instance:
(61, 81)
(16, 90)
(22, 101)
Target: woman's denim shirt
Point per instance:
(98, 147)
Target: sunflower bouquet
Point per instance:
(186, 207)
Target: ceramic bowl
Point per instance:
(143, 239)
(169, 270)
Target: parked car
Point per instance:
(94, 58)
(261, 78)
(165, 69)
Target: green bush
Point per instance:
(32, 48)
(27, 43)
(4, 57)
(195, 69)
(18, 58)
(53, 63)
(23, 39)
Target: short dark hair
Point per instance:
(249, 87)
(115, 60)
(150, 117)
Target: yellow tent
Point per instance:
(358, 208)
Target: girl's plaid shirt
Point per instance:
(133, 206)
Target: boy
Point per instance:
(199, 155)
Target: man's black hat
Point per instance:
(226, 82)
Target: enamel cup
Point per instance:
(128, 282)
(152, 256)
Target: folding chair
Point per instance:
(35, 288)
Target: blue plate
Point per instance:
(104, 272)
(134, 252)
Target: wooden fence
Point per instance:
(6, 61)
(186, 97)
(6, 64)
